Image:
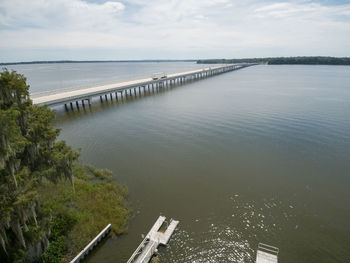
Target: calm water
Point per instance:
(257, 155)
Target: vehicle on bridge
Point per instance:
(159, 75)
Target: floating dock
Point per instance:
(153, 239)
(267, 254)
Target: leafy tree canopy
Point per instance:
(282, 60)
(29, 153)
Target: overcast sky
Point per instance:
(171, 29)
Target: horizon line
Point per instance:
(148, 60)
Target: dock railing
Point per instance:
(153, 239)
(93, 243)
(269, 249)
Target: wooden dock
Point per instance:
(153, 239)
(267, 254)
(92, 244)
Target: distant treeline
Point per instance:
(94, 61)
(282, 60)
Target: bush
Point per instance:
(62, 224)
(81, 214)
(54, 252)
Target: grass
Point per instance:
(96, 202)
(99, 173)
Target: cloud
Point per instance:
(156, 28)
(56, 14)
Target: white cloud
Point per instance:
(55, 14)
(206, 28)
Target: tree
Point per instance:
(29, 154)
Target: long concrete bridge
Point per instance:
(84, 96)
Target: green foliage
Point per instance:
(282, 60)
(35, 197)
(93, 205)
(80, 173)
(309, 61)
(62, 224)
(99, 173)
(55, 251)
(29, 153)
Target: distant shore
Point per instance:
(319, 60)
(95, 61)
(283, 61)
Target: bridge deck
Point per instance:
(66, 96)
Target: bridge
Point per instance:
(84, 96)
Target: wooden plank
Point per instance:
(147, 252)
(156, 226)
(264, 257)
(169, 231)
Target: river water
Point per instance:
(260, 154)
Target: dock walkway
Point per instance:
(267, 254)
(153, 239)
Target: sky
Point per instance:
(171, 29)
